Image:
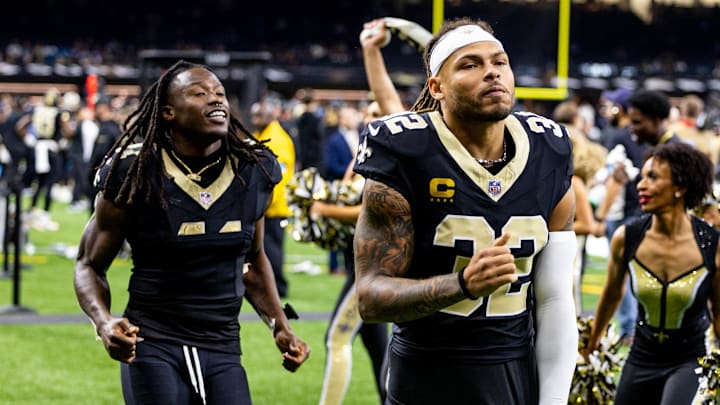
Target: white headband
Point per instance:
(456, 39)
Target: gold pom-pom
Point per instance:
(308, 186)
(709, 371)
(594, 380)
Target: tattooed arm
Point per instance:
(384, 243)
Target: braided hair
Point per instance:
(425, 101)
(146, 125)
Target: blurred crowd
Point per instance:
(82, 132)
(296, 36)
(51, 144)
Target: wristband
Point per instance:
(463, 287)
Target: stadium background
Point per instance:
(667, 45)
(52, 357)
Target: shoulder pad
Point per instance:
(405, 133)
(270, 161)
(126, 159)
(548, 131)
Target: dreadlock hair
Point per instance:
(146, 125)
(689, 169)
(425, 101)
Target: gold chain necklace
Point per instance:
(190, 174)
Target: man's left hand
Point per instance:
(294, 350)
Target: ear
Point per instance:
(435, 88)
(168, 112)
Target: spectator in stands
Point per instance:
(588, 158)
(43, 129)
(264, 115)
(688, 127)
(10, 112)
(620, 201)
(108, 133)
(648, 112)
(310, 132)
(339, 151)
(587, 114)
(79, 153)
(190, 198)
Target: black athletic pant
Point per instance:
(171, 374)
(423, 382)
(675, 385)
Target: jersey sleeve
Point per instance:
(272, 164)
(566, 168)
(552, 142)
(267, 172)
(109, 181)
(387, 146)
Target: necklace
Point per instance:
(190, 174)
(492, 162)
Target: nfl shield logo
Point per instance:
(494, 187)
(205, 198)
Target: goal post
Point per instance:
(560, 90)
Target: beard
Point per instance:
(496, 114)
(481, 109)
(477, 112)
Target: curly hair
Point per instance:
(147, 126)
(689, 168)
(425, 101)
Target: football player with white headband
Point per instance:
(464, 239)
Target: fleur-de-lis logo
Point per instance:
(364, 152)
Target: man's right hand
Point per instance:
(491, 268)
(119, 337)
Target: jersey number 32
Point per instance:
(528, 235)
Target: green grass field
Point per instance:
(62, 363)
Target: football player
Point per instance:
(190, 199)
(464, 239)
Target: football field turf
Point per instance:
(53, 358)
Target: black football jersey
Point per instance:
(186, 284)
(458, 207)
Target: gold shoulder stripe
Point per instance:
(131, 150)
(231, 226)
(192, 228)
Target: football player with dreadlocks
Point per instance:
(187, 186)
